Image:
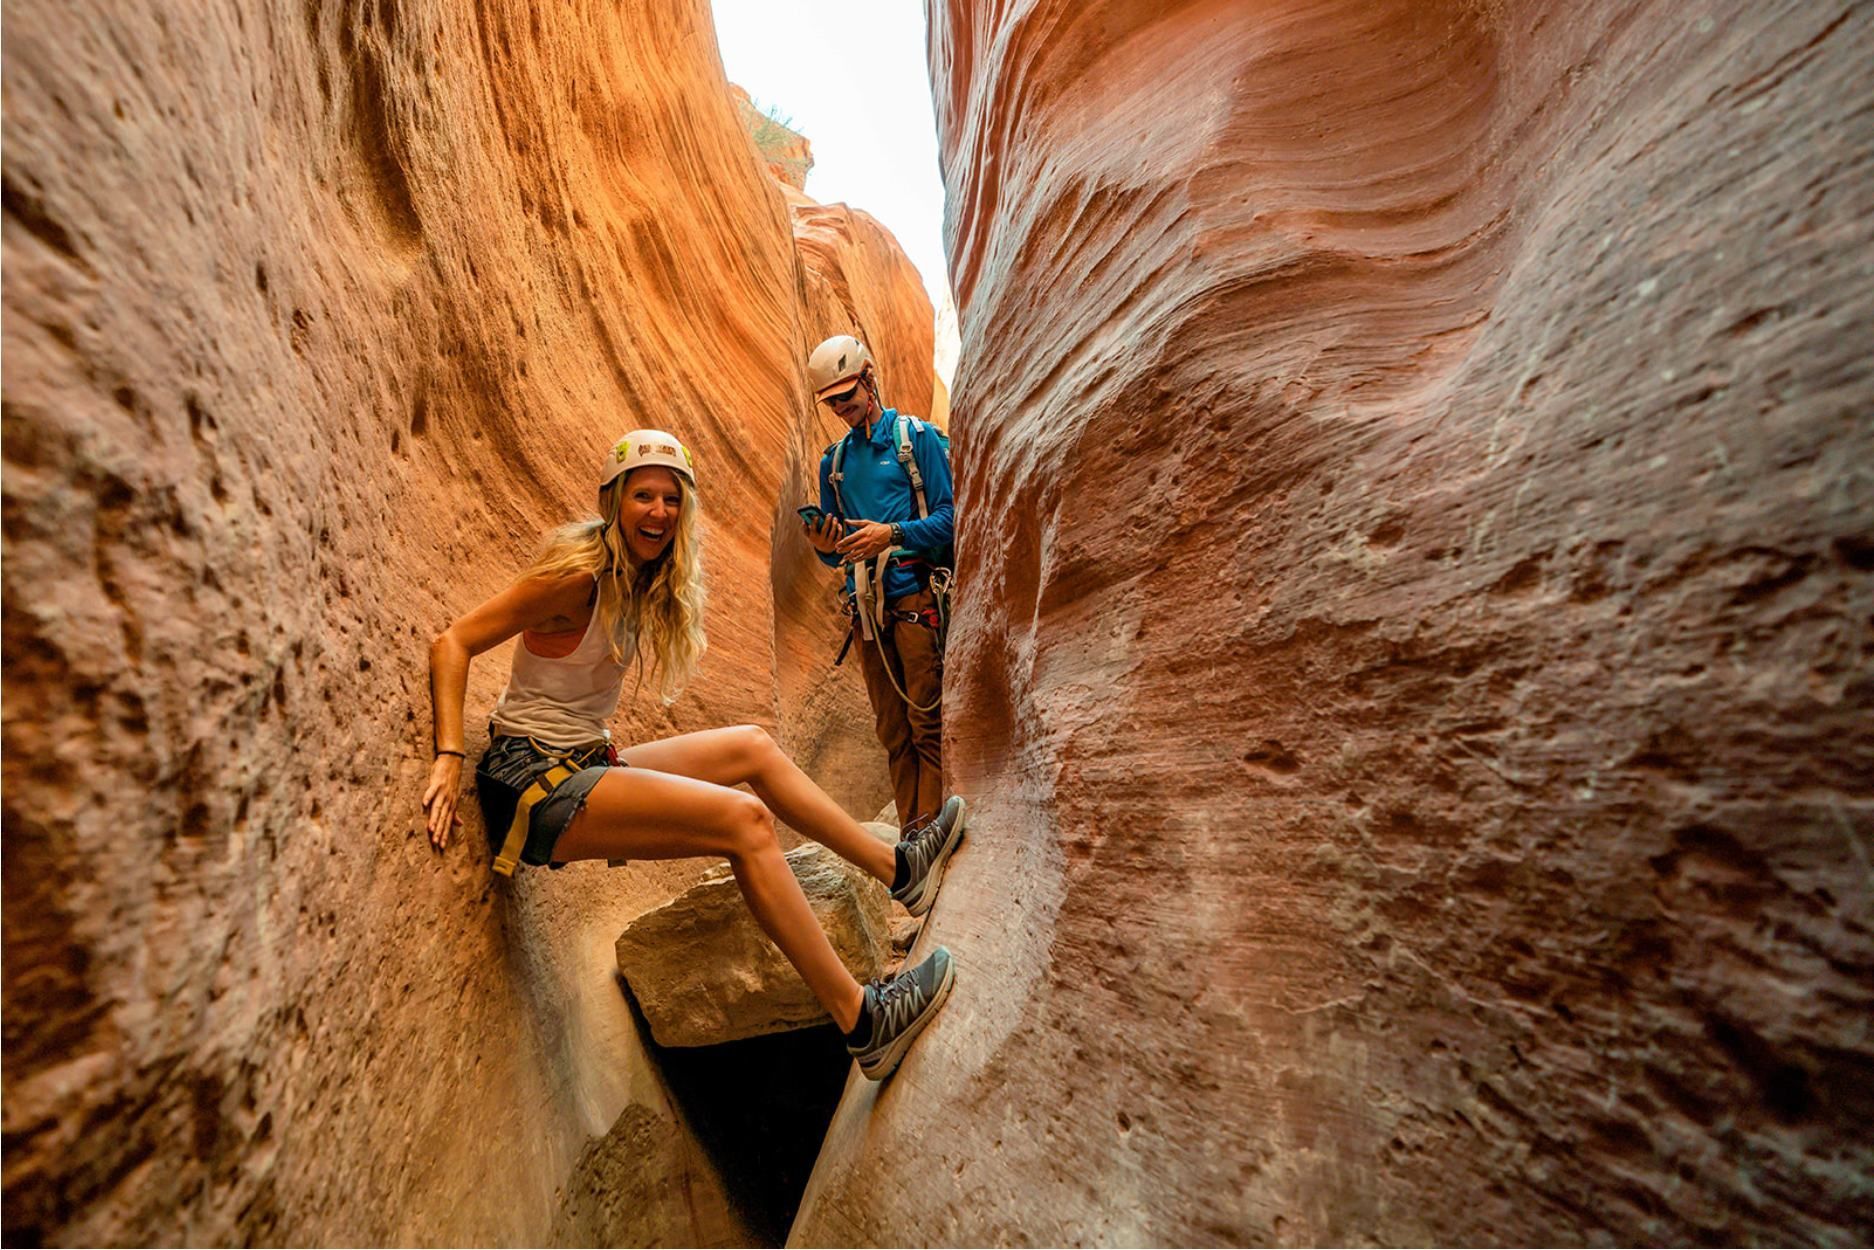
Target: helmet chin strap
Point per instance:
(878, 401)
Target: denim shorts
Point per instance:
(510, 765)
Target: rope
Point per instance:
(879, 642)
(874, 591)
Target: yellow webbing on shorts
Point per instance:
(546, 783)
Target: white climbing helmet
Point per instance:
(643, 448)
(836, 364)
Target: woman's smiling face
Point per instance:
(647, 514)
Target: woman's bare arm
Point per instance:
(530, 603)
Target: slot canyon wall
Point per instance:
(316, 316)
(1412, 670)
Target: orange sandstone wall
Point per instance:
(1416, 635)
(859, 281)
(940, 402)
(316, 315)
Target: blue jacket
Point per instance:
(876, 488)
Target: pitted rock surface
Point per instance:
(317, 316)
(703, 972)
(1411, 677)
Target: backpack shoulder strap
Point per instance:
(909, 462)
(837, 475)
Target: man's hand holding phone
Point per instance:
(823, 528)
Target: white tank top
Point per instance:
(563, 702)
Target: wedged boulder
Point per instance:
(703, 971)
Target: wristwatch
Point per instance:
(897, 534)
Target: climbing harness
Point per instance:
(868, 606)
(939, 582)
(564, 764)
(872, 617)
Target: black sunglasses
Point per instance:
(842, 397)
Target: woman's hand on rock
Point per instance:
(866, 541)
(440, 799)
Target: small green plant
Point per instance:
(785, 149)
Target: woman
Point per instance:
(626, 592)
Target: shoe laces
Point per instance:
(922, 847)
(898, 1000)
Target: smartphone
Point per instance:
(811, 515)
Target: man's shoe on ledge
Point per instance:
(926, 849)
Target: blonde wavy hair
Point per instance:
(655, 606)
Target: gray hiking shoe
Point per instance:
(901, 1006)
(926, 849)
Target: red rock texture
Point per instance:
(1412, 673)
(316, 315)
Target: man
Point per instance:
(869, 490)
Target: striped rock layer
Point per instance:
(1412, 672)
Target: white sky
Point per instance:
(851, 76)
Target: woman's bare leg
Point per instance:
(745, 753)
(635, 813)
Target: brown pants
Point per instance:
(913, 740)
